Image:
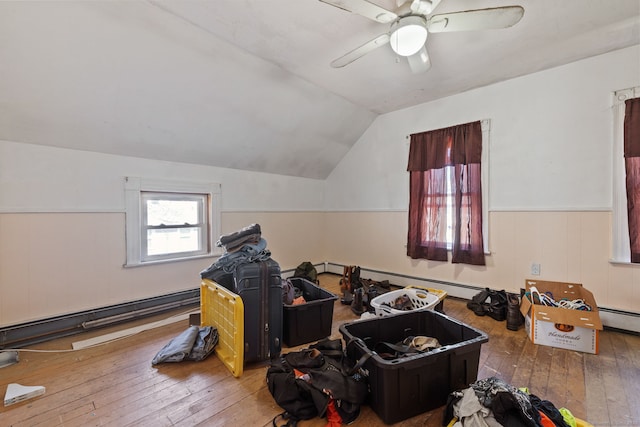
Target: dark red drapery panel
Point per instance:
(459, 149)
(632, 169)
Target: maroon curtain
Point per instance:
(632, 167)
(444, 166)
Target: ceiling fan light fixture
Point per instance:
(408, 35)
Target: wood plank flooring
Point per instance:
(115, 384)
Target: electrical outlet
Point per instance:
(535, 269)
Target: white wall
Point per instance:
(62, 234)
(36, 178)
(357, 216)
(550, 185)
(550, 148)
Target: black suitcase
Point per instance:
(259, 285)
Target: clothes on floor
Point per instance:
(492, 402)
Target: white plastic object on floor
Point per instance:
(421, 299)
(17, 393)
(8, 358)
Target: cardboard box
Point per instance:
(561, 327)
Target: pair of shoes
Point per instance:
(496, 307)
(515, 319)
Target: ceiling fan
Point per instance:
(411, 22)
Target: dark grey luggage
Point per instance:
(259, 286)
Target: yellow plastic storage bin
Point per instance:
(224, 310)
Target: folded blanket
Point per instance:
(235, 240)
(196, 343)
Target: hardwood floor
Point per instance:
(115, 384)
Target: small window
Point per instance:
(169, 221)
(173, 225)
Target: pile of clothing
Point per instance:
(240, 247)
(492, 402)
(409, 346)
(196, 343)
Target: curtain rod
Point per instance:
(484, 122)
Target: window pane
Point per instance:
(173, 240)
(172, 212)
(449, 170)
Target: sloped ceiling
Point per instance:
(246, 84)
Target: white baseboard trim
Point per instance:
(102, 339)
(622, 320)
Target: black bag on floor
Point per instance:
(303, 382)
(307, 271)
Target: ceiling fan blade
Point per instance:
(364, 8)
(419, 62)
(358, 52)
(480, 19)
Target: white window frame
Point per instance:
(135, 187)
(620, 246)
(485, 180)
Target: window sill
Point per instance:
(167, 261)
(628, 263)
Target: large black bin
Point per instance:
(407, 386)
(311, 321)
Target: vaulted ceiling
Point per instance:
(246, 84)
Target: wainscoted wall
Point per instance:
(62, 227)
(549, 189)
(569, 246)
(62, 240)
(58, 263)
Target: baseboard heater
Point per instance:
(17, 336)
(613, 319)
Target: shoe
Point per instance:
(497, 308)
(422, 343)
(347, 298)
(357, 305)
(372, 292)
(478, 303)
(515, 319)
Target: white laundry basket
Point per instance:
(421, 299)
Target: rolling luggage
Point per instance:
(259, 286)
